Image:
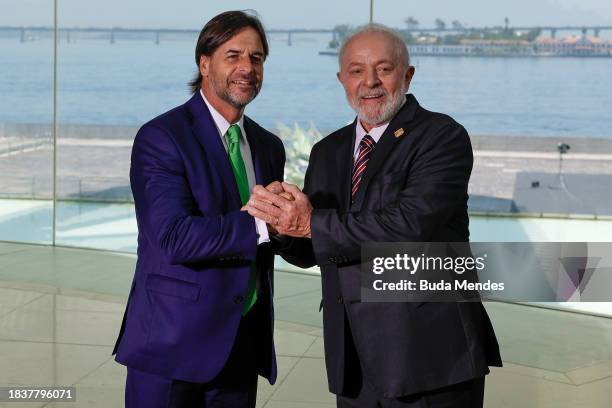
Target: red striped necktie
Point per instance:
(366, 146)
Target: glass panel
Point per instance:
(26, 116)
(535, 103)
(542, 142)
(111, 81)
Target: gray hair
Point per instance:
(399, 45)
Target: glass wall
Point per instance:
(534, 101)
(26, 125)
(529, 80)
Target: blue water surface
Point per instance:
(132, 81)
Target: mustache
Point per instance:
(250, 78)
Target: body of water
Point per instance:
(131, 81)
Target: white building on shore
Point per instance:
(572, 46)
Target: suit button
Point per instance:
(238, 299)
(340, 299)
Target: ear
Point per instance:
(408, 76)
(204, 65)
(342, 79)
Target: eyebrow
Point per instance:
(382, 61)
(235, 51)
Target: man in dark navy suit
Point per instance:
(198, 328)
(400, 174)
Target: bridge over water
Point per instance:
(113, 34)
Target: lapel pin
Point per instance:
(399, 132)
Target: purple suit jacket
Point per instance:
(195, 248)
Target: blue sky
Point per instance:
(305, 14)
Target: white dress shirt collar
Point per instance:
(222, 123)
(375, 133)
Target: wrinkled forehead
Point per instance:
(369, 46)
(246, 39)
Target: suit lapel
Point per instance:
(389, 139)
(345, 166)
(258, 153)
(208, 136)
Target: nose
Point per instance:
(371, 78)
(246, 65)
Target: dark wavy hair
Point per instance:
(219, 30)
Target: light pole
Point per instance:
(371, 11)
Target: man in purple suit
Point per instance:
(198, 327)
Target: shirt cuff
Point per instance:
(262, 231)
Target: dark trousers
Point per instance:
(469, 394)
(234, 387)
(359, 394)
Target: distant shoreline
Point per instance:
(107, 133)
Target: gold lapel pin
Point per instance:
(399, 132)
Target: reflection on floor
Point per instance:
(60, 310)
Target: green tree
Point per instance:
(533, 34)
(408, 37)
(341, 32)
(440, 24)
(411, 23)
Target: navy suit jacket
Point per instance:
(414, 189)
(195, 248)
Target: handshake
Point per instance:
(284, 208)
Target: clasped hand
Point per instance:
(283, 207)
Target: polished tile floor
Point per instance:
(60, 310)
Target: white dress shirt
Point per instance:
(245, 150)
(360, 132)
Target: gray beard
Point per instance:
(383, 114)
(225, 94)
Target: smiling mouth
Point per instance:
(371, 97)
(243, 84)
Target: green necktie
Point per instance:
(240, 175)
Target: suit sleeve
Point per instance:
(435, 187)
(166, 211)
